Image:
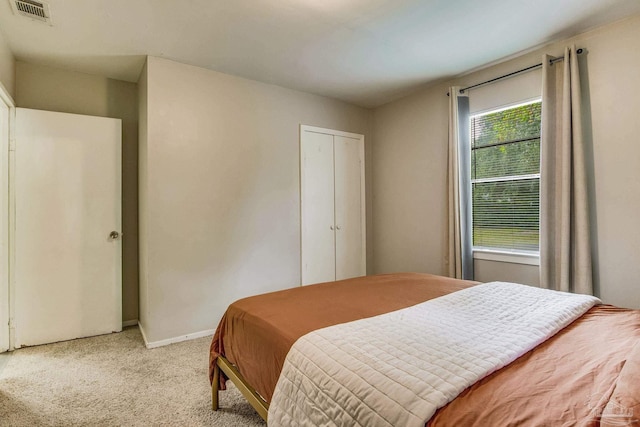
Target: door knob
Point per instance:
(331, 227)
(338, 227)
(114, 235)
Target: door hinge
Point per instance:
(12, 144)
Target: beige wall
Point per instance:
(489, 271)
(410, 167)
(7, 68)
(53, 89)
(409, 184)
(221, 196)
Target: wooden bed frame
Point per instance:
(254, 399)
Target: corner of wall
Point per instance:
(143, 308)
(144, 334)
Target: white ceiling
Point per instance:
(367, 52)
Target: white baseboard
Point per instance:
(127, 323)
(174, 340)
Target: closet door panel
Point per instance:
(349, 192)
(317, 205)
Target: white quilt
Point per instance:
(398, 368)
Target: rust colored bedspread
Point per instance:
(566, 381)
(256, 333)
(587, 375)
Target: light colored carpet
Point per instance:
(113, 380)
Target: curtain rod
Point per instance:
(533, 67)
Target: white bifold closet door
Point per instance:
(67, 226)
(332, 205)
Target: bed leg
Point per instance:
(215, 385)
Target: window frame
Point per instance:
(515, 256)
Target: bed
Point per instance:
(586, 374)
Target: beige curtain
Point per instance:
(459, 258)
(565, 245)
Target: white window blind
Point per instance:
(505, 178)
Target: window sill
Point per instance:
(514, 257)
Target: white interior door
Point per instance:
(317, 207)
(349, 205)
(67, 203)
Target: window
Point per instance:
(505, 178)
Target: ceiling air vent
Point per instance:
(32, 9)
